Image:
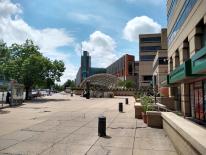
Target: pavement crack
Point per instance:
(134, 139)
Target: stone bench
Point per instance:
(154, 119)
(187, 137)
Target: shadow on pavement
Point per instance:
(45, 100)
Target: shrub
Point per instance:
(147, 103)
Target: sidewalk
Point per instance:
(69, 126)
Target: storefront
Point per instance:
(198, 100)
(198, 89)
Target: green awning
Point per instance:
(198, 62)
(165, 83)
(180, 73)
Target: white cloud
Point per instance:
(101, 48)
(83, 17)
(7, 8)
(140, 25)
(14, 29)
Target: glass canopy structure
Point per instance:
(101, 81)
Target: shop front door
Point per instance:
(199, 102)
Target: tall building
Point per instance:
(160, 63)
(85, 70)
(85, 65)
(149, 44)
(187, 56)
(160, 69)
(125, 68)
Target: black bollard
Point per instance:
(126, 101)
(88, 95)
(120, 107)
(102, 126)
(71, 94)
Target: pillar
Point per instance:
(185, 100)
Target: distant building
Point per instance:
(160, 63)
(85, 70)
(85, 65)
(149, 44)
(125, 68)
(160, 68)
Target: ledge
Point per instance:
(192, 133)
(137, 104)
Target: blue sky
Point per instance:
(106, 28)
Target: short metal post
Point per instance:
(120, 107)
(102, 126)
(71, 94)
(126, 101)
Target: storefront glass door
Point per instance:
(204, 104)
(199, 101)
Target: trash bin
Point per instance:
(102, 126)
(120, 107)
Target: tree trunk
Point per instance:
(28, 93)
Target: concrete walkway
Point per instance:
(61, 125)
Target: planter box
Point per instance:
(138, 110)
(154, 119)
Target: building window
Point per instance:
(203, 36)
(198, 100)
(177, 58)
(147, 57)
(171, 64)
(171, 10)
(186, 50)
(200, 37)
(151, 40)
(147, 78)
(186, 9)
(149, 48)
(163, 61)
(130, 68)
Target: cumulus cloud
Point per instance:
(7, 8)
(101, 47)
(140, 25)
(14, 29)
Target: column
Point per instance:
(195, 40)
(185, 100)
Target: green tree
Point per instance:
(126, 84)
(4, 56)
(29, 67)
(69, 83)
(129, 84)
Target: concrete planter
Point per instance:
(144, 117)
(154, 119)
(138, 110)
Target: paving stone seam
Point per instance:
(99, 137)
(134, 139)
(73, 132)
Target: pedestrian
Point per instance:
(8, 98)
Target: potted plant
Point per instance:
(146, 102)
